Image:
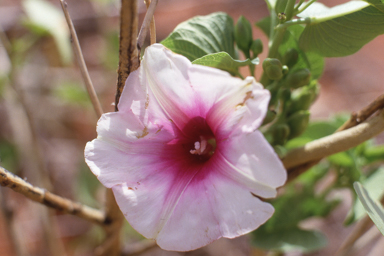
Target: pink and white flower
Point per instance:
(183, 155)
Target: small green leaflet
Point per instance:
(224, 61)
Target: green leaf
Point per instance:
(203, 35)
(318, 12)
(46, 18)
(289, 240)
(342, 159)
(341, 31)
(374, 186)
(374, 153)
(224, 61)
(72, 93)
(310, 60)
(265, 25)
(374, 209)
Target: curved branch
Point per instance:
(335, 143)
(8, 179)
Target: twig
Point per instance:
(80, 60)
(363, 114)
(152, 29)
(15, 241)
(128, 53)
(8, 179)
(129, 61)
(146, 23)
(335, 143)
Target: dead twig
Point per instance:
(80, 60)
(152, 29)
(146, 24)
(8, 179)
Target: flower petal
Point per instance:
(245, 107)
(251, 153)
(123, 146)
(216, 207)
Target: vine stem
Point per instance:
(80, 60)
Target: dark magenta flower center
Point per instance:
(198, 140)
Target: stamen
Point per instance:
(203, 147)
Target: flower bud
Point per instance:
(298, 78)
(297, 123)
(256, 47)
(291, 57)
(273, 68)
(301, 101)
(285, 94)
(280, 6)
(243, 34)
(280, 134)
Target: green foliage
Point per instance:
(45, 19)
(224, 61)
(87, 186)
(293, 239)
(72, 93)
(281, 232)
(341, 30)
(374, 209)
(203, 35)
(8, 155)
(374, 186)
(298, 122)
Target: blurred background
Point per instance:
(46, 116)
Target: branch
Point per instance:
(8, 179)
(129, 59)
(363, 114)
(356, 118)
(146, 23)
(80, 60)
(335, 143)
(152, 29)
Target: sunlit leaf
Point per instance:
(203, 35)
(224, 61)
(341, 30)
